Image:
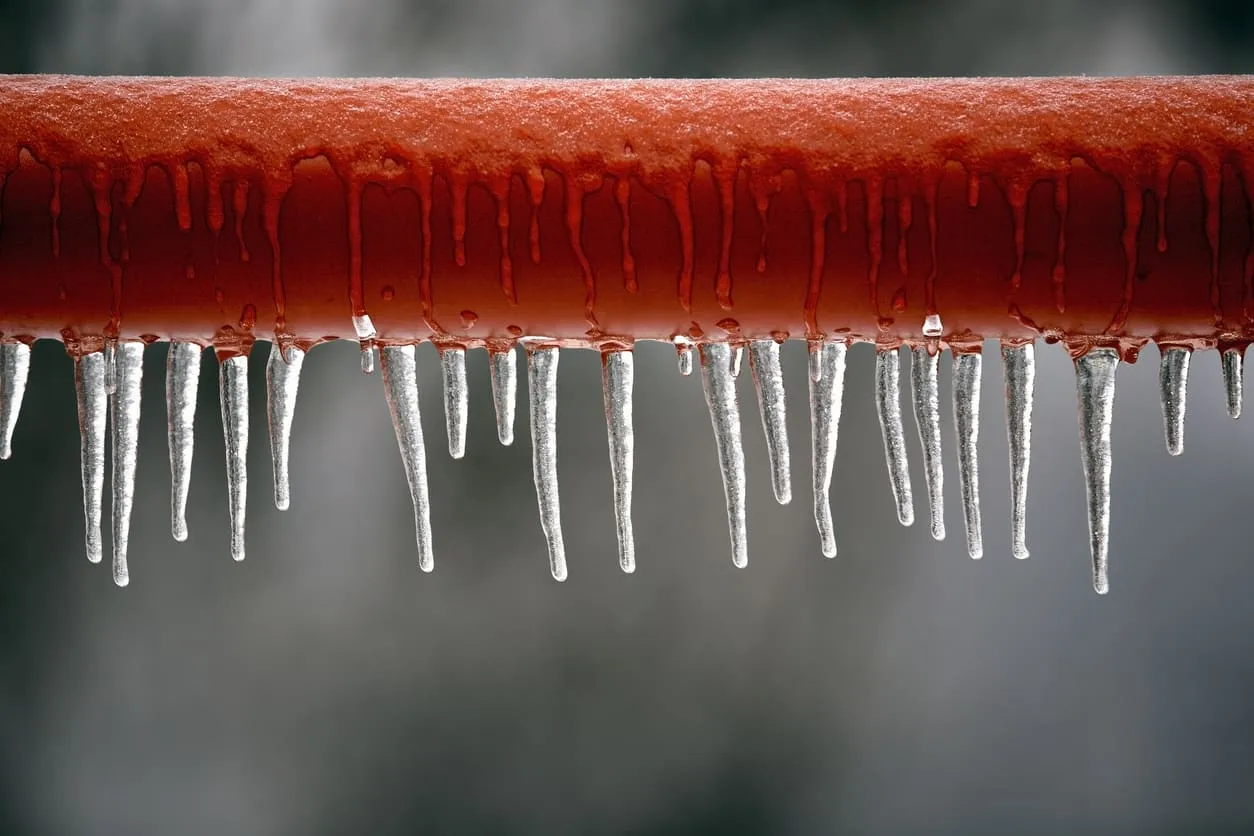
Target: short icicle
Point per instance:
(14, 370)
(768, 378)
(233, 396)
(93, 405)
(1173, 383)
(1019, 363)
(925, 392)
(968, 369)
(282, 385)
(542, 383)
(400, 386)
(888, 408)
(456, 398)
(827, 394)
(363, 327)
(503, 368)
(617, 379)
(720, 395)
(683, 352)
(1095, 388)
(1233, 361)
(124, 416)
(182, 383)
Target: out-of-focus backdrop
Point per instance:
(326, 686)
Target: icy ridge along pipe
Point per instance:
(1100, 213)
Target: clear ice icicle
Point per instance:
(233, 396)
(14, 369)
(93, 405)
(1095, 390)
(1173, 383)
(1232, 363)
(720, 395)
(683, 351)
(110, 366)
(456, 399)
(967, 371)
(617, 379)
(124, 416)
(1019, 363)
(542, 383)
(400, 386)
(503, 368)
(363, 327)
(827, 394)
(182, 383)
(768, 378)
(888, 408)
(282, 385)
(925, 392)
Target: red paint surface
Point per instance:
(1092, 211)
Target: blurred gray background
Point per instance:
(326, 686)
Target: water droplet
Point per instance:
(248, 317)
(219, 295)
(932, 326)
(388, 293)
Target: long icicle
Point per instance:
(1095, 389)
(282, 386)
(967, 372)
(124, 408)
(719, 382)
(93, 406)
(400, 387)
(14, 370)
(827, 394)
(617, 381)
(542, 383)
(888, 408)
(925, 392)
(1019, 363)
(182, 383)
(503, 368)
(233, 396)
(768, 379)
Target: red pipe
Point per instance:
(1091, 211)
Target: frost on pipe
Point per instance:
(1101, 214)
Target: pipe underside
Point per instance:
(1094, 212)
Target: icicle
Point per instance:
(814, 360)
(92, 411)
(456, 399)
(124, 416)
(233, 395)
(1019, 363)
(683, 350)
(282, 384)
(888, 407)
(14, 369)
(827, 393)
(1173, 382)
(182, 382)
(503, 367)
(967, 372)
(720, 395)
(110, 366)
(1232, 363)
(768, 378)
(1095, 388)
(363, 327)
(542, 382)
(617, 378)
(925, 392)
(400, 386)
